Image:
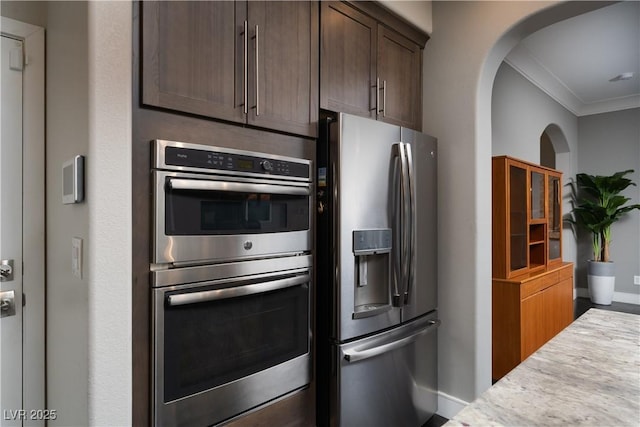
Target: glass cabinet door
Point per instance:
(554, 225)
(537, 195)
(518, 217)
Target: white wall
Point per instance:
(67, 135)
(520, 112)
(89, 113)
(417, 12)
(609, 143)
(467, 45)
(110, 212)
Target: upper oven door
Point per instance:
(216, 218)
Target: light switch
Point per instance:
(76, 257)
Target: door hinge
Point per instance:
(24, 299)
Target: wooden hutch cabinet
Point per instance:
(532, 287)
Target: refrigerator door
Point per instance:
(361, 157)
(389, 379)
(422, 294)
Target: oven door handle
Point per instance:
(237, 291)
(240, 187)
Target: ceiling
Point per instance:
(576, 61)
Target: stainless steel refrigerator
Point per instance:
(377, 271)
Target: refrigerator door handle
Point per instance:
(383, 346)
(403, 230)
(399, 223)
(411, 217)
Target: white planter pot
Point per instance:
(601, 280)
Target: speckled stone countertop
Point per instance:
(587, 375)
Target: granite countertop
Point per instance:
(587, 375)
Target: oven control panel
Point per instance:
(191, 156)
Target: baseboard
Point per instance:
(449, 406)
(623, 297)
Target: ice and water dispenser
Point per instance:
(372, 252)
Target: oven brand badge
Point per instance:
(248, 245)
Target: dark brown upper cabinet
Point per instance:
(366, 67)
(250, 62)
(348, 40)
(400, 79)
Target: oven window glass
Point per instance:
(212, 343)
(216, 212)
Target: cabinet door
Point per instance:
(348, 60)
(400, 74)
(283, 88)
(192, 57)
(558, 302)
(537, 202)
(554, 215)
(533, 334)
(518, 250)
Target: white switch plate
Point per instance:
(636, 280)
(76, 257)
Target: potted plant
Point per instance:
(598, 204)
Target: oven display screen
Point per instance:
(244, 164)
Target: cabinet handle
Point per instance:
(377, 96)
(245, 83)
(257, 71)
(384, 98)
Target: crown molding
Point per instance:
(521, 60)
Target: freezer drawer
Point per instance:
(389, 379)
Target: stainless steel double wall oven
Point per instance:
(231, 274)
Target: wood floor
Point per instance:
(580, 306)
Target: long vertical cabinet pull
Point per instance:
(245, 77)
(257, 65)
(384, 98)
(377, 96)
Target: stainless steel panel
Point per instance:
(209, 185)
(238, 291)
(228, 400)
(423, 295)
(159, 160)
(230, 270)
(361, 159)
(394, 383)
(218, 248)
(214, 406)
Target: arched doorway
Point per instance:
(552, 143)
(460, 64)
(547, 152)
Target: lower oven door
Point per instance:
(224, 347)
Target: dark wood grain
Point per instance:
(368, 69)
(154, 123)
(287, 66)
(400, 68)
(194, 61)
(192, 57)
(348, 41)
(140, 289)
